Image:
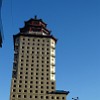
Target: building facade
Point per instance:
(33, 76)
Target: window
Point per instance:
(36, 96)
(25, 90)
(52, 87)
(19, 96)
(36, 77)
(21, 68)
(41, 91)
(52, 97)
(31, 91)
(47, 74)
(57, 97)
(25, 96)
(14, 86)
(41, 82)
(30, 96)
(52, 83)
(26, 64)
(31, 81)
(47, 97)
(42, 74)
(20, 81)
(20, 86)
(36, 82)
(26, 77)
(21, 73)
(31, 77)
(20, 76)
(28, 39)
(13, 95)
(19, 90)
(31, 68)
(63, 98)
(26, 68)
(36, 91)
(36, 73)
(36, 86)
(14, 90)
(31, 86)
(27, 60)
(47, 82)
(25, 86)
(41, 97)
(41, 87)
(25, 81)
(47, 78)
(27, 47)
(31, 73)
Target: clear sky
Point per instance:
(76, 25)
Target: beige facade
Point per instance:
(33, 76)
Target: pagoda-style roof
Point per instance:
(35, 25)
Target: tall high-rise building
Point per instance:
(33, 76)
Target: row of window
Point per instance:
(34, 48)
(36, 39)
(36, 44)
(31, 86)
(36, 69)
(32, 65)
(35, 52)
(40, 60)
(31, 91)
(39, 82)
(42, 78)
(41, 97)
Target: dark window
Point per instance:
(36, 96)
(63, 98)
(19, 96)
(13, 95)
(30, 86)
(52, 97)
(20, 86)
(36, 91)
(25, 96)
(57, 97)
(31, 91)
(14, 90)
(47, 97)
(30, 96)
(14, 86)
(25, 90)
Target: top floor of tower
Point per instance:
(35, 26)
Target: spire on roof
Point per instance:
(35, 17)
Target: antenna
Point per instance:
(1, 26)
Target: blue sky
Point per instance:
(76, 25)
